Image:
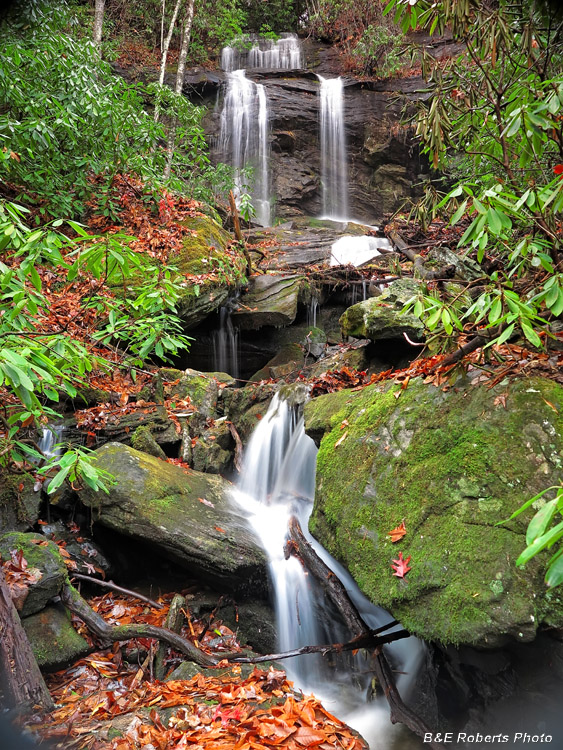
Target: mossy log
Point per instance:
(112, 633)
(399, 712)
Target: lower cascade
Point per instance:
(278, 483)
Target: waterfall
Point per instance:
(225, 340)
(334, 166)
(277, 482)
(49, 443)
(243, 140)
(312, 312)
(283, 54)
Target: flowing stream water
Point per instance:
(277, 482)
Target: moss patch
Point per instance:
(451, 465)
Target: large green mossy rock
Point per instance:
(382, 317)
(450, 465)
(186, 515)
(204, 252)
(54, 641)
(42, 556)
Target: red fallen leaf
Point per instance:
(398, 532)
(400, 566)
(218, 528)
(558, 169)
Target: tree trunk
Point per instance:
(21, 681)
(98, 25)
(186, 36)
(164, 57)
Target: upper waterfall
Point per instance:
(334, 164)
(243, 141)
(284, 54)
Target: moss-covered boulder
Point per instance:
(382, 317)
(54, 641)
(204, 252)
(19, 503)
(44, 560)
(203, 389)
(143, 440)
(213, 450)
(245, 407)
(269, 301)
(450, 464)
(185, 515)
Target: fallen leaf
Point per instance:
(206, 502)
(500, 400)
(398, 532)
(218, 528)
(551, 406)
(400, 566)
(341, 439)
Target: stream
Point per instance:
(277, 482)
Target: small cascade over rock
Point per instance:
(334, 164)
(243, 141)
(50, 441)
(284, 54)
(278, 482)
(226, 345)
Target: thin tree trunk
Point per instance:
(21, 681)
(165, 55)
(179, 84)
(162, 26)
(98, 25)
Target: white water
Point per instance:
(284, 54)
(356, 251)
(334, 164)
(277, 482)
(243, 141)
(50, 442)
(225, 340)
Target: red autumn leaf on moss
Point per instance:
(401, 567)
(398, 532)
(558, 169)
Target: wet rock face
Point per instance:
(451, 465)
(383, 164)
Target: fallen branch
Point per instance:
(367, 640)
(114, 587)
(112, 633)
(419, 270)
(399, 712)
(238, 445)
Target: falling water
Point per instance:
(244, 140)
(49, 443)
(334, 166)
(277, 482)
(312, 312)
(225, 340)
(284, 54)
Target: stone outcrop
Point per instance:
(269, 301)
(54, 641)
(186, 516)
(382, 317)
(451, 465)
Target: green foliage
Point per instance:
(38, 364)
(76, 467)
(542, 534)
(379, 50)
(495, 117)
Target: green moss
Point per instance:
(451, 465)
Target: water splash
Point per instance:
(277, 482)
(350, 250)
(243, 141)
(334, 164)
